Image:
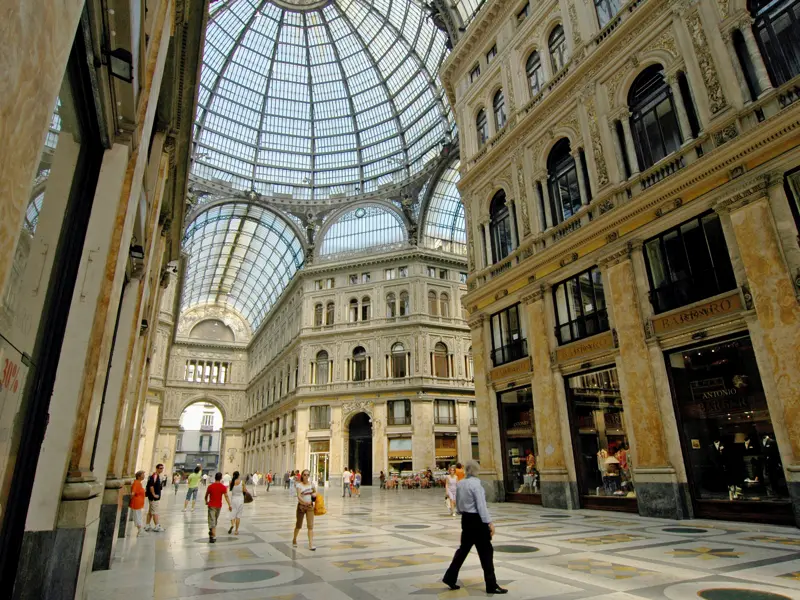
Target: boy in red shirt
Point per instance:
(214, 494)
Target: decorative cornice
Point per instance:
(535, 295)
(477, 321)
(618, 256)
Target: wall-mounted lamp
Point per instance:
(120, 62)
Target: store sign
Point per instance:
(516, 368)
(593, 345)
(698, 314)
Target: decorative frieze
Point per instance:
(597, 144)
(716, 97)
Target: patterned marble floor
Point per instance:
(397, 545)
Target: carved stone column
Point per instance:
(579, 169)
(680, 107)
(559, 490)
(487, 238)
(746, 27)
(630, 148)
(658, 491)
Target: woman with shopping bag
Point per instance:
(306, 495)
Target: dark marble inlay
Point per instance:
(739, 594)
(516, 549)
(555, 516)
(684, 530)
(244, 576)
(412, 526)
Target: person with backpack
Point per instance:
(154, 486)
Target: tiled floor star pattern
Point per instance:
(397, 545)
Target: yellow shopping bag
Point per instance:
(319, 506)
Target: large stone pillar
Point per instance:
(777, 331)
(464, 433)
(657, 488)
(422, 438)
(337, 458)
(486, 404)
(559, 488)
(380, 450)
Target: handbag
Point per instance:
(248, 497)
(319, 506)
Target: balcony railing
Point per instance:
(399, 420)
(510, 352)
(319, 425)
(444, 420)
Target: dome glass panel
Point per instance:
(445, 227)
(319, 99)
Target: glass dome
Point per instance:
(319, 98)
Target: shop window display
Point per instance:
(602, 450)
(725, 423)
(519, 441)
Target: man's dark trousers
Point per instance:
(474, 532)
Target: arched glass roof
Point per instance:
(319, 98)
(445, 226)
(241, 255)
(363, 228)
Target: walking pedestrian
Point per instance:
(213, 498)
(293, 482)
(154, 484)
(451, 484)
(238, 489)
(176, 481)
(269, 480)
(137, 501)
(191, 494)
(477, 530)
(205, 479)
(286, 477)
(306, 496)
(357, 483)
(226, 479)
(460, 471)
(346, 483)
(383, 480)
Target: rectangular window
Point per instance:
(476, 453)
(491, 54)
(474, 73)
(508, 343)
(318, 284)
(473, 413)
(399, 412)
(580, 306)
(179, 443)
(518, 439)
(200, 371)
(462, 277)
(444, 274)
(792, 188)
(353, 279)
(446, 447)
(444, 412)
(330, 283)
(402, 271)
(365, 277)
(390, 274)
(431, 271)
(524, 12)
(688, 263)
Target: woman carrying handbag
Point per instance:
(306, 496)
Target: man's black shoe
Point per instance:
(452, 586)
(497, 590)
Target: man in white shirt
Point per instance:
(226, 479)
(346, 483)
(477, 530)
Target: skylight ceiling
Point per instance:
(319, 99)
(240, 255)
(445, 227)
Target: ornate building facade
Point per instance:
(629, 177)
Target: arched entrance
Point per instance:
(200, 439)
(360, 446)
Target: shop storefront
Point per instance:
(600, 441)
(320, 454)
(446, 450)
(400, 455)
(728, 439)
(518, 438)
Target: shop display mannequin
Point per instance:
(751, 457)
(722, 470)
(772, 467)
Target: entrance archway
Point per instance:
(200, 439)
(360, 446)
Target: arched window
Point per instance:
(405, 307)
(441, 367)
(654, 123)
(366, 311)
(558, 48)
(323, 367)
(391, 305)
(533, 68)
(400, 360)
(482, 128)
(606, 10)
(562, 178)
(318, 315)
(330, 312)
(433, 304)
(359, 364)
(444, 305)
(503, 242)
(777, 30)
(499, 107)
(353, 312)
